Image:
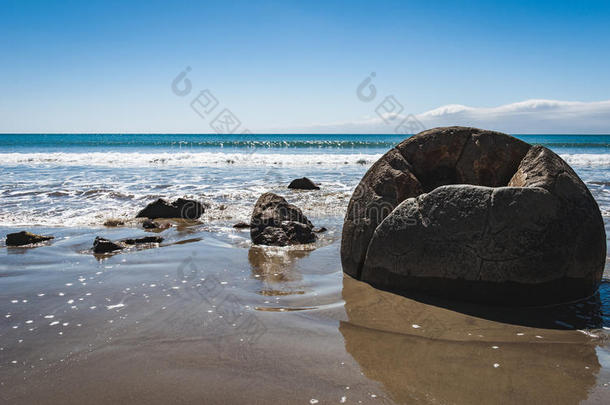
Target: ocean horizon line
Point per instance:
(288, 133)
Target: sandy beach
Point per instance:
(207, 319)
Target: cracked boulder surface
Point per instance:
(275, 222)
(475, 215)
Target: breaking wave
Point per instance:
(198, 159)
(151, 159)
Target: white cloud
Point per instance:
(530, 116)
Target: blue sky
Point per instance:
(106, 66)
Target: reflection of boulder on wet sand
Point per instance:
(423, 353)
(416, 369)
(275, 265)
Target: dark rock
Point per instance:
(145, 239)
(276, 222)
(181, 208)
(320, 230)
(154, 225)
(25, 238)
(149, 224)
(476, 215)
(241, 225)
(303, 184)
(103, 245)
(113, 222)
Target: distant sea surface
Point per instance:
(81, 179)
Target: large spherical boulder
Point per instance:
(476, 215)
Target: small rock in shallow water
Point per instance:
(181, 208)
(149, 224)
(154, 225)
(303, 184)
(145, 239)
(113, 222)
(275, 222)
(241, 225)
(25, 238)
(320, 229)
(103, 245)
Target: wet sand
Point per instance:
(206, 318)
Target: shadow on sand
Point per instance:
(589, 313)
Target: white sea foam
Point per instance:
(85, 189)
(587, 159)
(194, 159)
(156, 159)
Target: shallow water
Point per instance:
(216, 320)
(206, 317)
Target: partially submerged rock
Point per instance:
(242, 225)
(103, 245)
(114, 222)
(142, 240)
(25, 238)
(276, 222)
(181, 208)
(149, 224)
(303, 184)
(477, 215)
(156, 225)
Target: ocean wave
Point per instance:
(587, 159)
(187, 159)
(85, 189)
(143, 159)
(601, 144)
(201, 141)
(225, 205)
